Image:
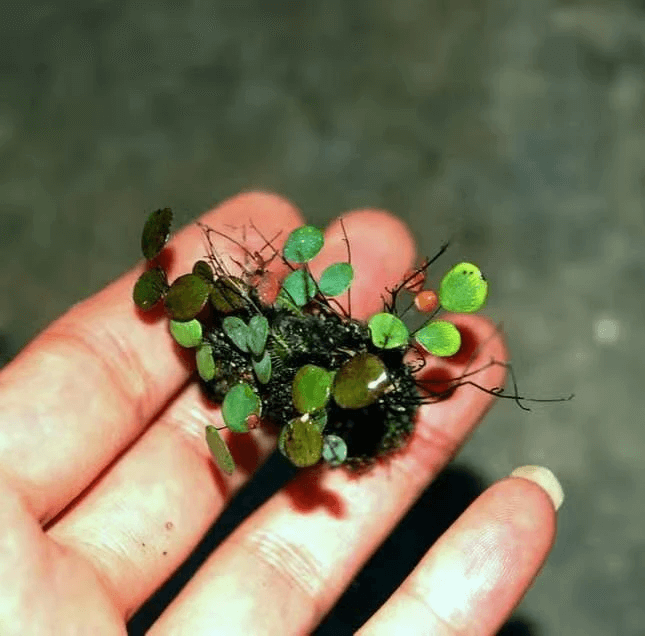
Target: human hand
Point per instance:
(107, 485)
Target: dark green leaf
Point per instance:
(303, 244)
(283, 301)
(206, 366)
(186, 297)
(388, 331)
(258, 334)
(156, 232)
(239, 404)
(203, 270)
(439, 337)
(220, 450)
(334, 450)
(336, 279)
(301, 442)
(150, 288)
(262, 368)
(463, 289)
(187, 334)
(311, 388)
(319, 419)
(228, 295)
(237, 330)
(299, 286)
(360, 381)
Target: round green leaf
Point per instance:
(388, 331)
(299, 287)
(219, 449)
(156, 232)
(237, 330)
(360, 381)
(150, 288)
(439, 337)
(334, 450)
(336, 279)
(186, 297)
(239, 403)
(303, 244)
(301, 442)
(263, 368)
(311, 388)
(203, 270)
(206, 366)
(258, 334)
(228, 294)
(463, 289)
(187, 334)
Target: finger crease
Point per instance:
(293, 563)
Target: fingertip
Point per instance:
(545, 479)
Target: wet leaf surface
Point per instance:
(360, 381)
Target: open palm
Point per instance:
(106, 483)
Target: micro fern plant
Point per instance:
(340, 390)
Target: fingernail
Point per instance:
(545, 479)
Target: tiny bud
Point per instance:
(252, 421)
(426, 301)
(268, 287)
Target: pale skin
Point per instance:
(107, 485)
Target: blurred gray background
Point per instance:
(516, 127)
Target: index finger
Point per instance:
(87, 386)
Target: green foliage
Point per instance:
(334, 450)
(227, 294)
(219, 449)
(299, 287)
(156, 232)
(247, 359)
(463, 289)
(311, 388)
(203, 270)
(150, 288)
(360, 381)
(301, 442)
(336, 279)
(206, 365)
(388, 331)
(186, 297)
(262, 368)
(237, 330)
(239, 404)
(439, 337)
(303, 244)
(187, 334)
(258, 333)
(319, 419)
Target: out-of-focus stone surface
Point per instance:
(516, 128)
